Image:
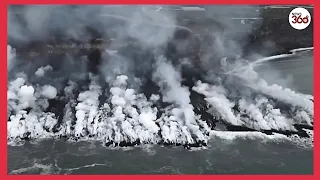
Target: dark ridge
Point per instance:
(239, 128)
(276, 36)
(137, 142)
(300, 132)
(303, 126)
(94, 58)
(56, 106)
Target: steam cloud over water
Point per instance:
(152, 86)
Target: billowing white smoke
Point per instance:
(120, 113)
(35, 122)
(216, 96)
(87, 109)
(261, 112)
(130, 117)
(169, 80)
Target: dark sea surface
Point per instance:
(225, 154)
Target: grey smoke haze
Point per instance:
(119, 22)
(122, 21)
(72, 21)
(152, 29)
(230, 36)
